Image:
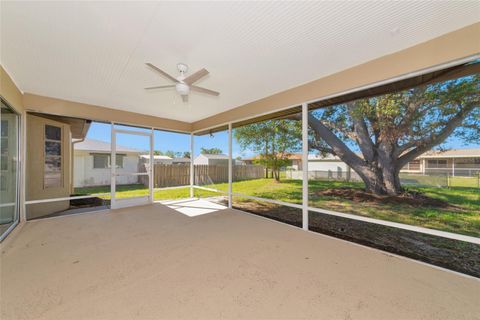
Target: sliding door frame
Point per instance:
(19, 169)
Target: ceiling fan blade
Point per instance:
(163, 73)
(207, 91)
(196, 76)
(161, 87)
(185, 98)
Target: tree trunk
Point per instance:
(277, 174)
(380, 181)
(387, 165)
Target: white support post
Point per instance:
(113, 162)
(230, 165)
(151, 173)
(191, 166)
(453, 167)
(305, 166)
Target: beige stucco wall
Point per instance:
(447, 48)
(10, 92)
(61, 107)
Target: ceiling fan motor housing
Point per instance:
(182, 88)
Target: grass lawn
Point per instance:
(470, 182)
(463, 217)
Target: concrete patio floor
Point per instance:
(152, 262)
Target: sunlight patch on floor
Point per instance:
(193, 207)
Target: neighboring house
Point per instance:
(321, 167)
(215, 159)
(181, 161)
(328, 162)
(211, 159)
(157, 159)
(456, 162)
(92, 163)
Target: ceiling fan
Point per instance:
(183, 84)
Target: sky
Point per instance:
(178, 142)
(164, 140)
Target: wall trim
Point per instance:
(60, 107)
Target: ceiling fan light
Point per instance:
(182, 89)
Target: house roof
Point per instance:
(93, 145)
(451, 153)
(319, 157)
(215, 156)
(156, 157)
(181, 159)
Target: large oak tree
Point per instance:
(378, 136)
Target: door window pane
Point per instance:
(52, 177)
(53, 148)
(53, 133)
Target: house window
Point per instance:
(52, 177)
(414, 165)
(102, 161)
(435, 163)
(467, 161)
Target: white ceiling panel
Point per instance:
(94, 52)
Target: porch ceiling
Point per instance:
(94, 52)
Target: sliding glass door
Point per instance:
(9, 169)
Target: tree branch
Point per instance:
(338, 147)
(312, 144)
(362, 137)
(429, 142)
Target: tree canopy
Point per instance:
(378, 136)
(273, 141)
(210, 151)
